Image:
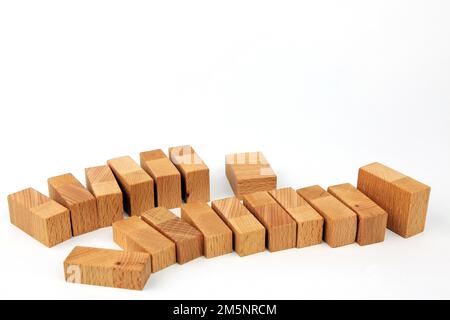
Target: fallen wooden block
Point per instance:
(404, 199)
(108, 268)
(136, 185)
(68, 191)
(136, 235)
(42, 218)
(340, 221)
(249, 233)
(188, 240)
(217, 237)
(281, 228)
(309, 222)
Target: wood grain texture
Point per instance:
(39, 216)
(217, 237)
(108, 268)
(309, 221)
(137, 186)
(69, 192)
(340, 221)
(281, 228)
(249, 234)
(372, 219)
(404, 199)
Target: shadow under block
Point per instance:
(108, 268)
(249, 233)
(309, 222)
(281, 228)
(136, 235)
(340, 221)
(404, 199)
(39, 216)
(188, 240)
(372, 219)
(68, 191)
(194, 174)
(217, 237)
(101, 183)
(136, 184)
(166, 176)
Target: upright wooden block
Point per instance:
(101, 183)
(404, 199)
(188, 239)
(249, 233)
(281, 228)
(108, 268)
(340, 221)
(309, 222)
(194, 173)
(166, 176)
(68, 191)
(136, 185)
(42, 218)
(136, 235)
(218, 238)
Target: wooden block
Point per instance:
(166, 176)
(218, 238)
(136, 235)
(281, 228)
(194, 173)
(136, 185)
(309, 222)
(68, 191)
(101, 183)
(371, 218)
(404, 199)
(42, 218)
(188, 240)
(108, 268)
(249, 172)
(249, 233)
(340, 221)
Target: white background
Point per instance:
(321, 87)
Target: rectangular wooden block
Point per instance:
(136, 184)
(101, 183)
(217, 237)
(194, 174)
(281, 228)
(166, 176)
(404, 199)
(136, 235)
(340, 221)
(309, 222)
(42, 218)
(188, 239)
(68, 191)
(249, 233)
(108, 268)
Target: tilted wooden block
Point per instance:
(166, 176)
(42, 218)
(249, 233)
(309, 222)
(340, 221)
(404, 199)
(136, 235)
(188, 239)
(136, 184)
(218, 238)
(108, 268)
(281, 228)
(372, 219)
